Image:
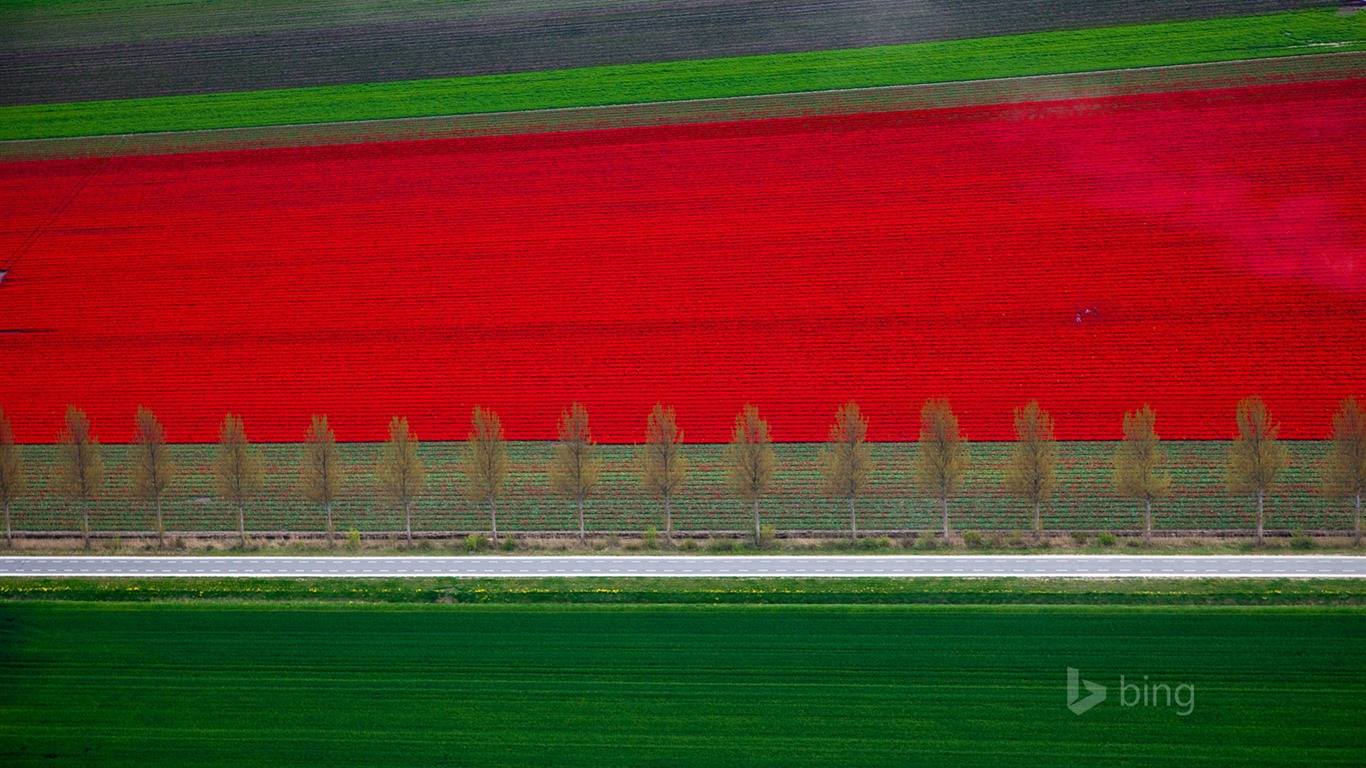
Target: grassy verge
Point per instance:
(1285, 34)
(660, 591)
(229, 685)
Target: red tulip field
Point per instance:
(1183, 250)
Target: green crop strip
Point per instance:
(1285, 34)
(698, 591)
(228, 685)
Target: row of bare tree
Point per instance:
(1256, 459)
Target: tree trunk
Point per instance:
(1357, 521)
(944, 506)
(853, 525)
(1038, 523)
(408, 520)
(580, 520)
(329, 523)
(668, 520)
(161, 529)
(242, 524)
(1148, 521)
(85, 523)
(1259, 518)
(756, 521)
(493, 520)
(9, 539)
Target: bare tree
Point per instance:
(750, 460)
(12, 480)
(237, 470)
(663, 467)
(1256, 457)
(575, 469)
(79, 474)
(942, 458)
(320, 468)
(151, 469)
(1344, 469)
(847, 461)
(1032, 471)
(400, 471)
(1138, 465)
(486, 462)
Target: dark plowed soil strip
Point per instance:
(131, 54)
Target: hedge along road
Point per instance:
(75, 51)
(1031, 566)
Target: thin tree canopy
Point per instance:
(400, 471)
(80, 466)
(1138, 465)
(942, 455)
(79, 473)
(750, 462)
(663, 466)
(320, 468)
(575, 468)
(847, 459)
(486, 461)
(151, 469)
(1345, 467)
(237, 470)
(12, 480)
(1256, 457)
(1032, 471)
(1139, 459)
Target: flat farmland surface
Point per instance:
(892, 98)
(226, 685)
(1103, 49)
(1084, 499)
(789, 263)
(77, 50)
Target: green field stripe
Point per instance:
(567, 591)
(895, 98)
(1286, 34)
(227, 685)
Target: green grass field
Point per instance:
(614, 590)
(1285, 34)
(1084, 499)
(293, 684)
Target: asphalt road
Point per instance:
(1092, 566)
